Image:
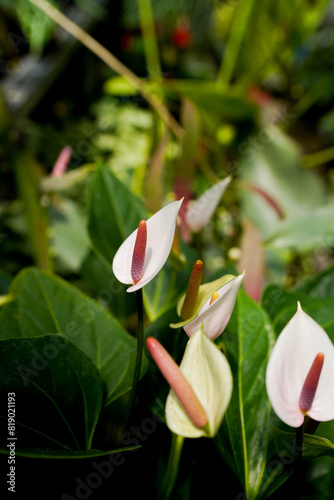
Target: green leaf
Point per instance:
(306, 232)
(271, 160)
(65, 454)
(69, 242)
(102, 284)
(313, 446)
(5, 280)
(118, 85)
(214, 104)
(113, 211)
(247, 340)
(321, 285)
(46, 304)
(282, 305)
(56, 390)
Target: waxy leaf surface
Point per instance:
(46, 304)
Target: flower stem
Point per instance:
(140, 343)
(149, 39)
(236, 37)
(110, 60)
(172, 466)
(298, 448)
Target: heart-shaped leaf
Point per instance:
(51, 394)
(46, 304)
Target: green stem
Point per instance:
(140, 344)
(310, 425)
(172, 466)
(319, 158)
(149, 39)
(309, 99)
(298, 448)
(234, 42)
(110, 60)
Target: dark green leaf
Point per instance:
(313, 446)
(320, 285)
(52, 390)
(247, 340)
(46, 304)
(282, 305)
(102, 284)
(66, 454)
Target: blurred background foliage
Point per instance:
(250, 83)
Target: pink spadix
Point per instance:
(180, 385)
(311, 383)
(139, 252)
(62, 162)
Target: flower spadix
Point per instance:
(200, 211)
(300, 372)
(214, 306)
(209, 376)
(176, 379)
(142, 255)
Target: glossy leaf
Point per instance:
(247, 339)
(320, 285)
(57, 391)
(46, 304)
(313, 446)
(281, 306)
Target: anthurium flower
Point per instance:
(142, 255)
(300, 372)
(201, 210)
(198, 412)
(214, 307)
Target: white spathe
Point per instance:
(201, 210)
(289, 363)
(209, 373)
(215, 317)
(160, 235)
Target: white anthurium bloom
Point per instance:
(300, 372)
(201, 210)
(142, 255)
(215, 312)
(209, 374)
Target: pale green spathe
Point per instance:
(207, 370)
